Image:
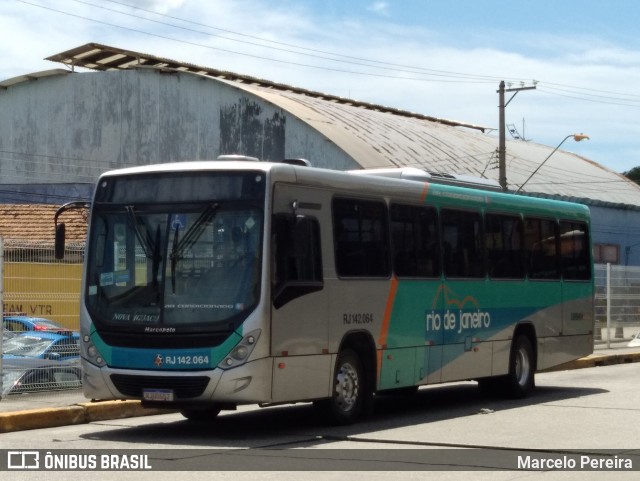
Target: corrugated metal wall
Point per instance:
(73, 127)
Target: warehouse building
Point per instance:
(112, 108)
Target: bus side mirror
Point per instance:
(60, 241)
(61, 229)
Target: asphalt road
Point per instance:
(572, 413)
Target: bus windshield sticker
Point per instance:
(203, 306)
(121, 277)
(178, 222)
(106, 279)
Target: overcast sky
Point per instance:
(439, 58)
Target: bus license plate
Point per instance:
(157, 395)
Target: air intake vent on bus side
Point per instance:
(408, 173)
(412, 173)
(238, 158)
(300, 162)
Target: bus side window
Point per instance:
(541, 245)
(297, 260)
(361, 238)
(503, 241)
(462, 244)
(574, 250)
(414, 241)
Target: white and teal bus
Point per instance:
(208, 285)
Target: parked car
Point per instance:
(28, 323)
(24, 374)
(58, 346)
(635, 342)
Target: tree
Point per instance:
(633, 174)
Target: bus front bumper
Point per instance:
(245, 384)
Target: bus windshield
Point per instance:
(184, 261)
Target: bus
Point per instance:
(213, 284)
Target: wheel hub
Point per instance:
(347, 386)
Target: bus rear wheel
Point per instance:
(348, 392)
(521, 378)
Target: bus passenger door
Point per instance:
(299, 332)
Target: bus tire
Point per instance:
(349, 390)
(201, 415)
(521, 378)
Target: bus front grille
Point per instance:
(183, 387)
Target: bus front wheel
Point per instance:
(348, 392)
(201, 415)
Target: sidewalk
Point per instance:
(36, 411)
(617, 353)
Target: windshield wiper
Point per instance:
(155, 265)
(151, 248)
(194, 232)
(190, 237)
(144, 240)
(174, 258)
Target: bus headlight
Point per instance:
(241, 352)
(93, 355)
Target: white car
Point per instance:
(635, 342)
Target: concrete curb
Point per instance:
(595, 360)
(83, 413)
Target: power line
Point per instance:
(579, 93)
(603, 94)
(430, 163)
(49, 156)
(445, 76)
(349, 58)
(586, 89)
(553, 168)
(259, 57)
(18, 195)
(595, 99)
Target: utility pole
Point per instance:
(502, 148)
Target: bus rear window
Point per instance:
(574, 250)
(541, 245)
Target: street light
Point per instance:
(576, 137)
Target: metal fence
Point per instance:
(40, 307)
(617, 302)
(36, 285)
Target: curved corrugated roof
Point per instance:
(379, 139)
(376, 136)
(5, 84)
